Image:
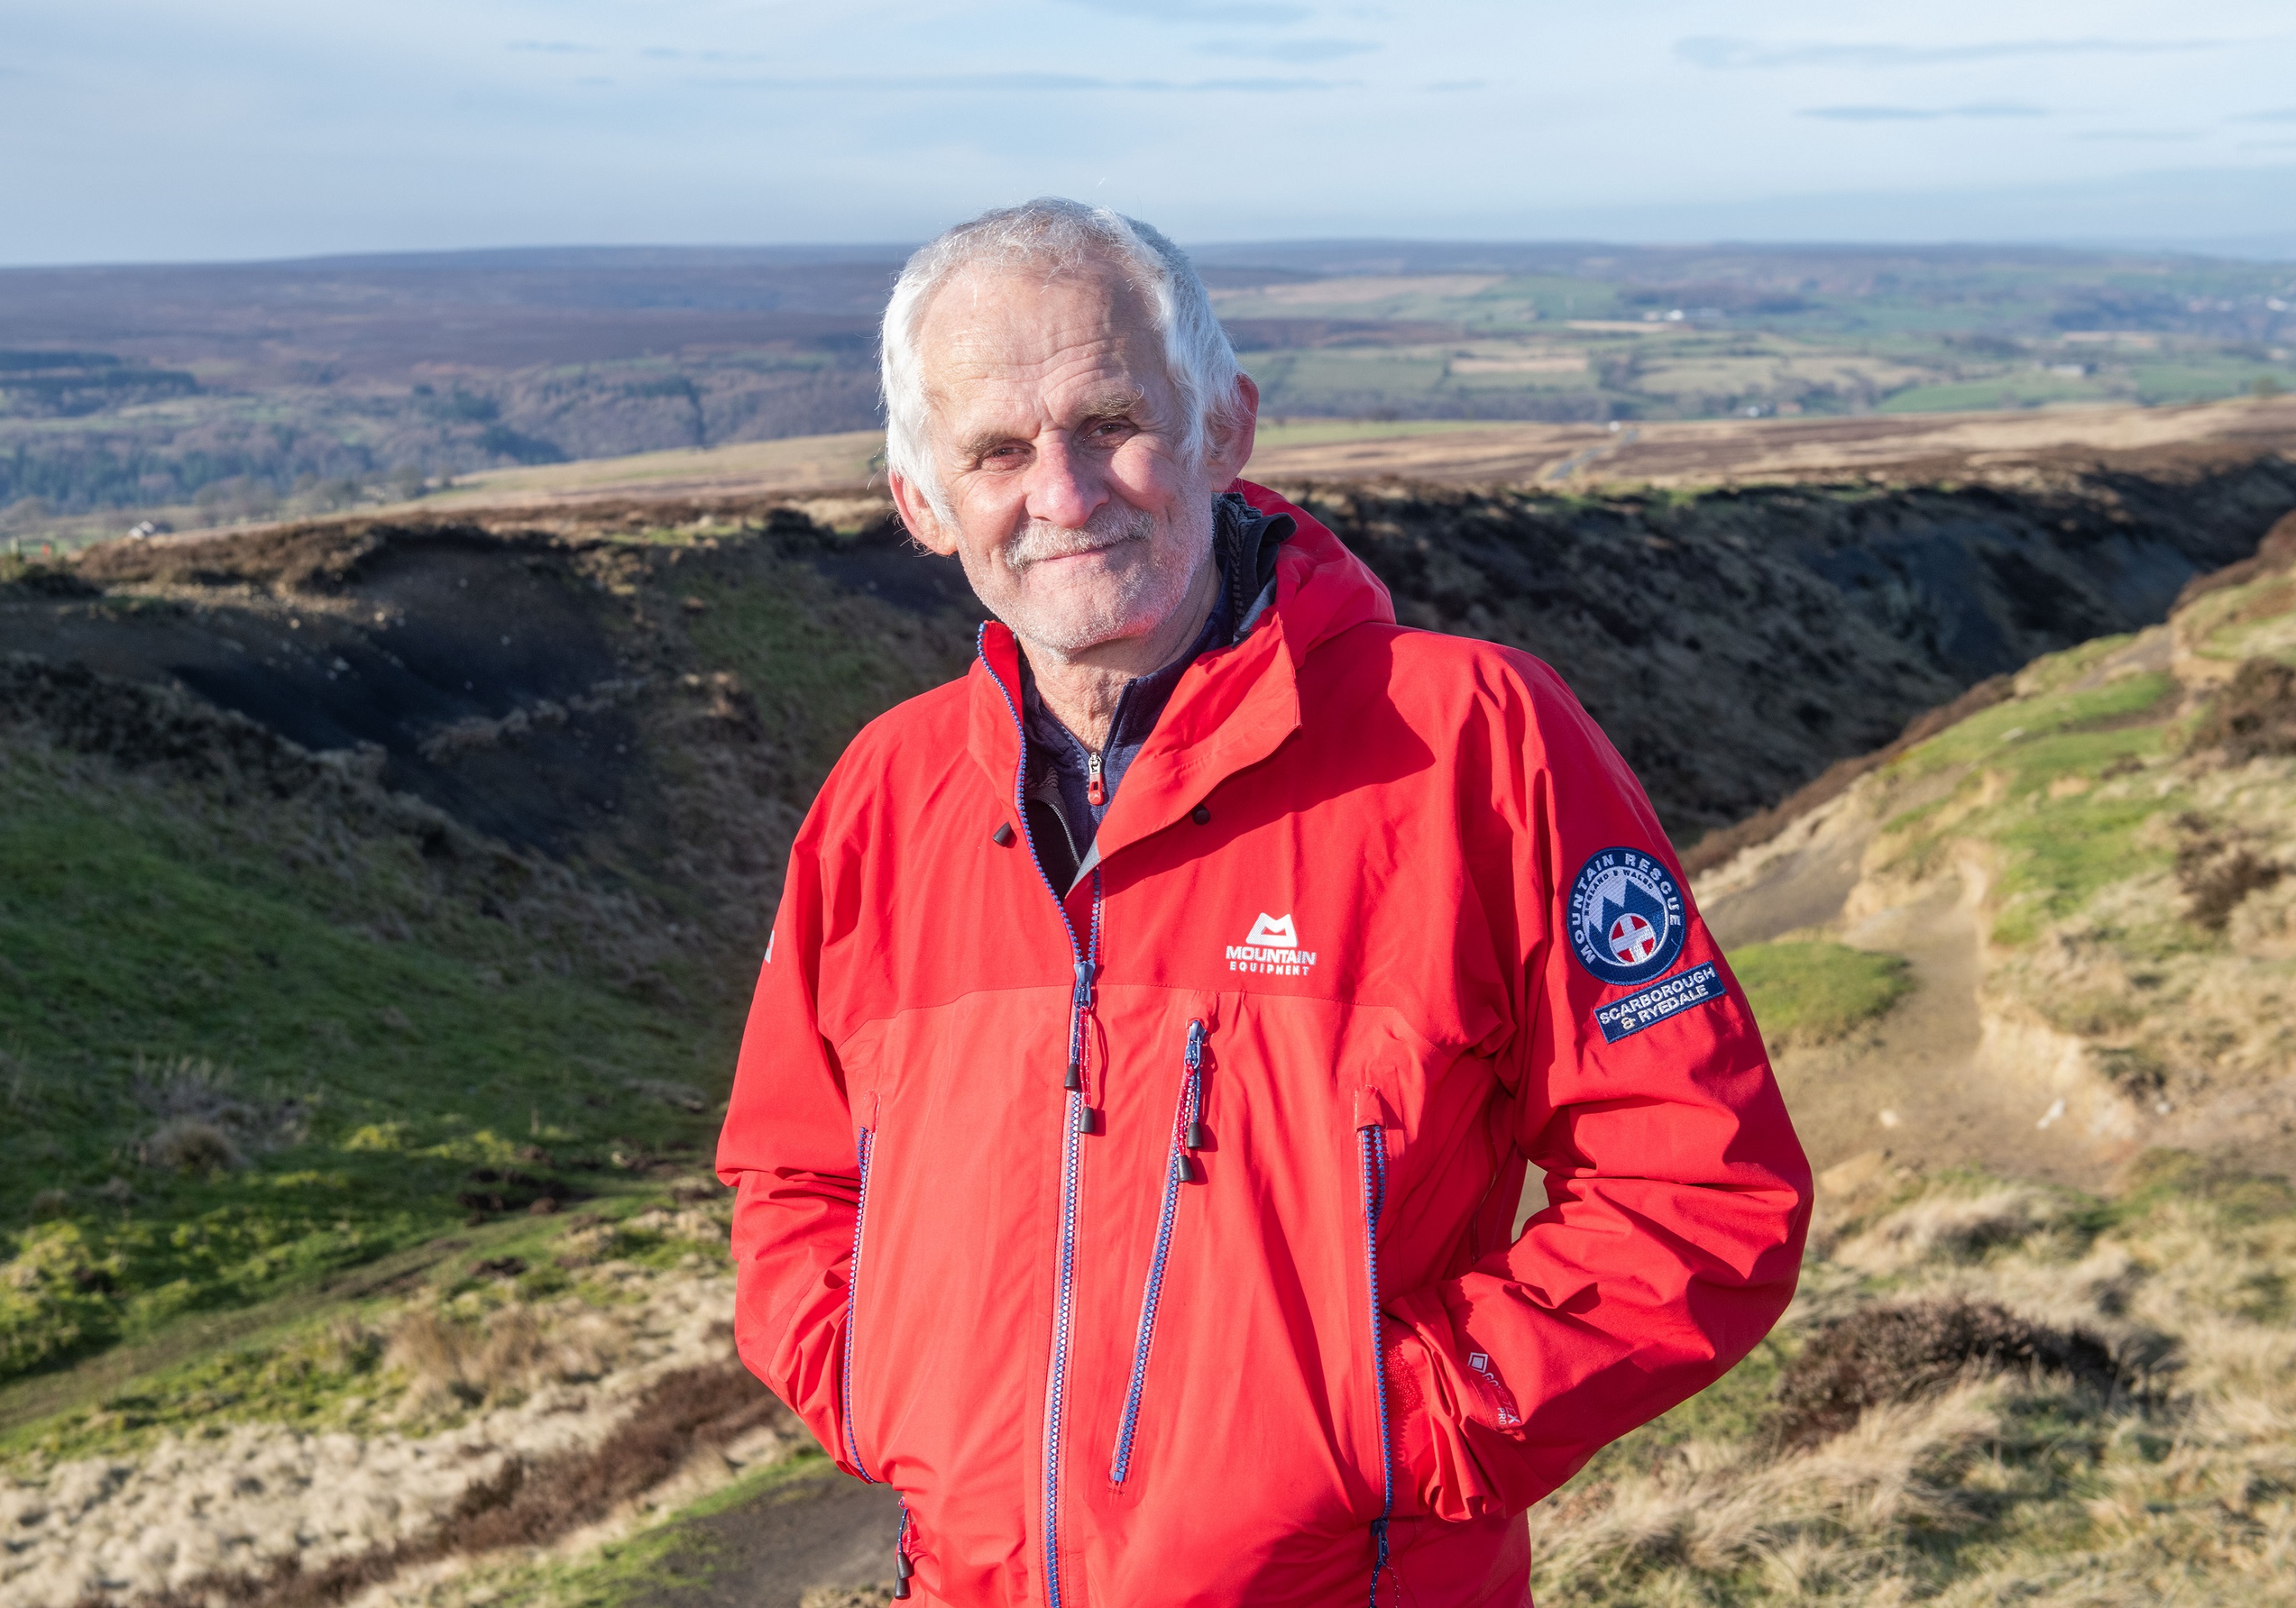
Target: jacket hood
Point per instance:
(1321, 588)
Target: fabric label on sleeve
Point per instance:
(1624, 1018)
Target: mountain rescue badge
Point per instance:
(1627, 921)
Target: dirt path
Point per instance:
(819, 1528)
(1923, 1085)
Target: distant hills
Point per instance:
(230, 390)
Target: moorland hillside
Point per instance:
(2089, 879)
(378, 899)
(2029, 979)
(329, 839)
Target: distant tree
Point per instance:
(2266, 385)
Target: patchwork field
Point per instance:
(232, 393)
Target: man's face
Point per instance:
(1079, 516)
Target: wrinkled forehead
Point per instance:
(1013, 346)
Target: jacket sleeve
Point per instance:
(788, 1151)
(1678, 1196)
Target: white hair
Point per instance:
(1053, 236)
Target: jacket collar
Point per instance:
(1232, 708)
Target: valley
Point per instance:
(202, 394)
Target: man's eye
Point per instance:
(1106, 428)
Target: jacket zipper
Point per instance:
(903, 1567)
(1187, 1135)
(1096, 792)
(1079, 1121)
(852, 1304)
(1373, 1145)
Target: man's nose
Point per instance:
(1065, 487)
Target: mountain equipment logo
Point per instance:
(1627, 921)
(1271, 947)
(1275, 931)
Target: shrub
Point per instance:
(188, 1144)
(1904, 1353)
(2217, 876)
(2255, 715)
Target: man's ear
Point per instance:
(917, 516)
(1228, 443)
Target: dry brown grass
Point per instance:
(525, 1503)
(2001, 1480)
(1715, 1510)
(480, 1430)
(465, 1359)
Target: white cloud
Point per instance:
(1020, 83)
(1904, 114)
(1716, 50)
(1303, 51)
(1241, 14)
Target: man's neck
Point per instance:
(1081, 691)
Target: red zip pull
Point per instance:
(1096, 790)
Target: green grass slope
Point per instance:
(266, 1018)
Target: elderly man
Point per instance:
(1158, 1021)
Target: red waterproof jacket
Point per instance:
(1155, 1240)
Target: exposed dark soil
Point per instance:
(1736, 643)
(813, 1529)
(398, 639)
(2276, 551)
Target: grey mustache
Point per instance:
(1109, 527)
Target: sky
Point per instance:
(155, 130)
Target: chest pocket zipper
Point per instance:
(1187, 1137)
(868, 1144)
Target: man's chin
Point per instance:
(1073, 638)
(1074, 625)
